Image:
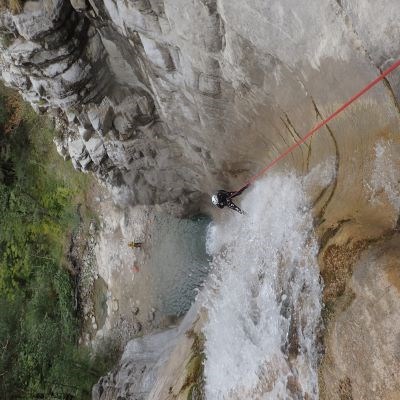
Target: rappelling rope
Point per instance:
(321, 124)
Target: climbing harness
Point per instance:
(321, 124)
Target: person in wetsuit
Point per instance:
(223, 198)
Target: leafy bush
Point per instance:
(39, 356)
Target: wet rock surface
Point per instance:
(146, 358)
(362, 359)
(134, 375)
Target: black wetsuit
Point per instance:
(224, 199)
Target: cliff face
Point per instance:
(362, 353)
(168, 100)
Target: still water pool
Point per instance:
(178, 263)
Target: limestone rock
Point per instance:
(62, 149)
(77, 149)
(198, 81)
(79, 5)
(136, 376)
(361, 349)
(96, 150)
(101, 117)
(137, 368)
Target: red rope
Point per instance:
(322, 123)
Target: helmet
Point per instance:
(214, 199)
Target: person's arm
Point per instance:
(234, 194)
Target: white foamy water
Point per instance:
(264, 299)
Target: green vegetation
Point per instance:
(39, 193)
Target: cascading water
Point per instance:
(264, 298)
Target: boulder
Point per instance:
(79, 5)
(101, 117)
(96, 150)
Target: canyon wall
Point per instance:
(170, 100)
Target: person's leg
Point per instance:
(234, 207)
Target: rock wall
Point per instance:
(173, 355)
(362, 360)
(134, 376)
(167, 100)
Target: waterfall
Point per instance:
(264, 295)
